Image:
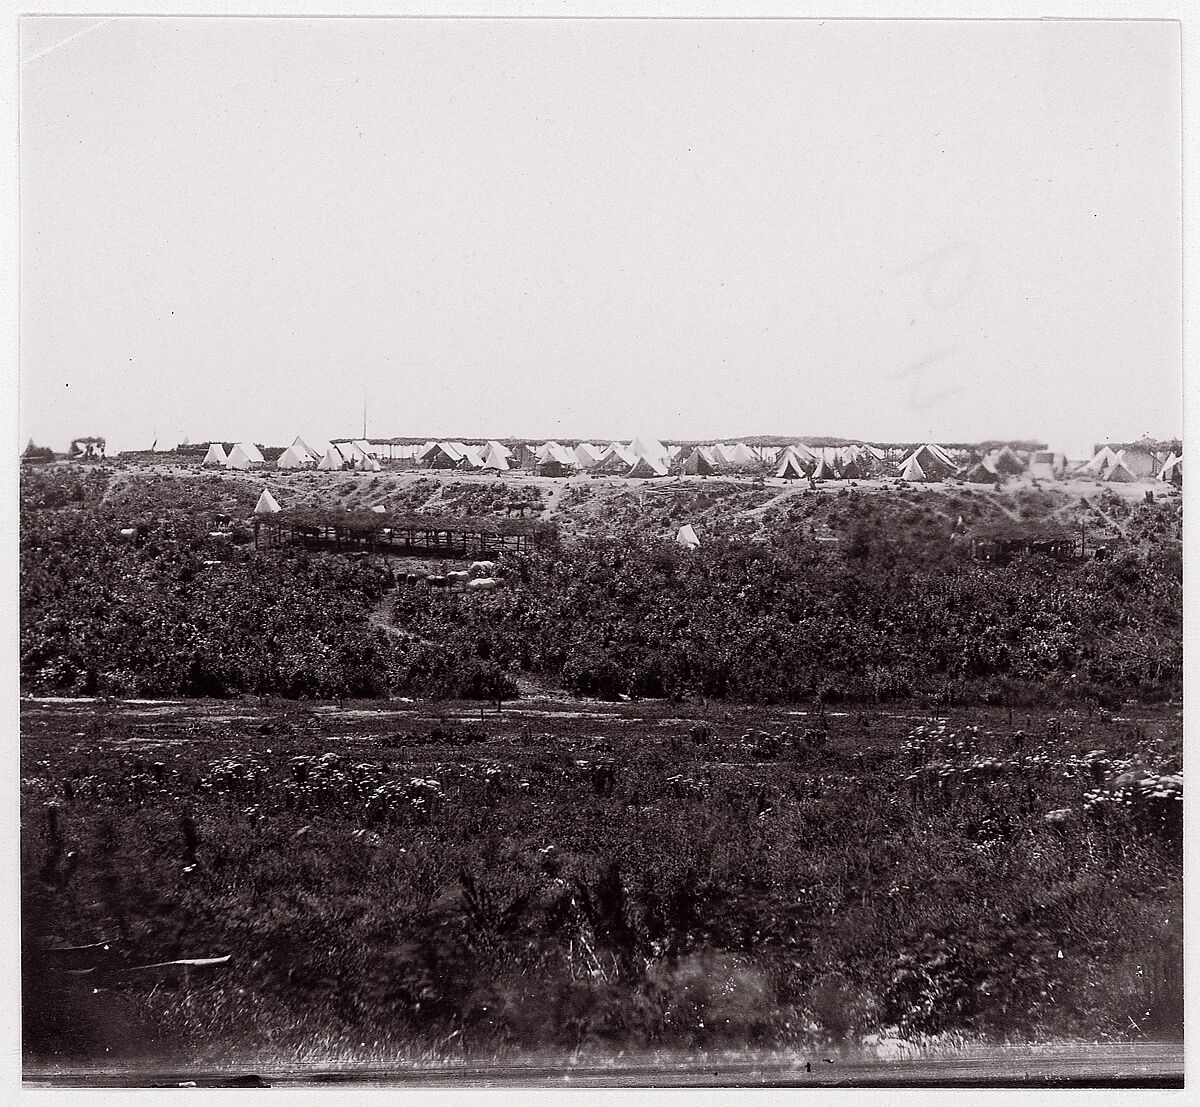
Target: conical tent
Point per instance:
(687, 536)
(823, 470)
(647, 447)
(370, 465)
(933, 462)
(790, 467)
(1101, 460)
(616, 459)
(1119, 473)
(1005, 460)
(912, 470)
(253, 453)
(499, 447)
(332, 460)
(697, 464)
(586, 455)
(292, 458)
(740, 457)
(1172, 468)
(242, 456)
(648, 467)
(982, 472)
(266, 504)
(496, 460)
(216, 455)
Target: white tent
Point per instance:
(740, 457)
(351, 451)
(216, 455)
(496, 461)
(332, 460)
(499, 447)
(293, 458)
(560, 454)
(687, 536)
(316, 448)
(790, 466)
(586, 455)
(267, 504)
(252, 452)
(1173, 462)
(912, 470)
(648, 467)
(366, 447)
(1103, 459)
(369, 465)
(243, 455)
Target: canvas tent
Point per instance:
(697, 463)
(216, 454)
(1101, 460)
(740, 457)
(616, 459)
(332, 460)
(1119, 473)
(243, 455)
(292, 458)
(1172, 469)
(982, 472)
(790, 467)
(911, 470)
(267, 504)
(933, 462)
(586, 455)
(648, 467)
(495, 461)
(687, 536)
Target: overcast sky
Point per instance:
(880, 230)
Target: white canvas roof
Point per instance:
(243, 455)
(316, 448)
(687, 536)
(912, 469)
(215, 455)
(332, 460)
(294, 458)
(495, 460)
(647, 447)
(741, 456)
(1168, 469)
(499, 447)
(648, 467)
(267, 504)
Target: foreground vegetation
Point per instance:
(400, 881)
(861, 598)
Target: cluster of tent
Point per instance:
(241, 455)
(647, 458)
(1133, 464)
(313, 454)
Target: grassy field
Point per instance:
(393, 879)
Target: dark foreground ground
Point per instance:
(401, 892)
(1114, 1065)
